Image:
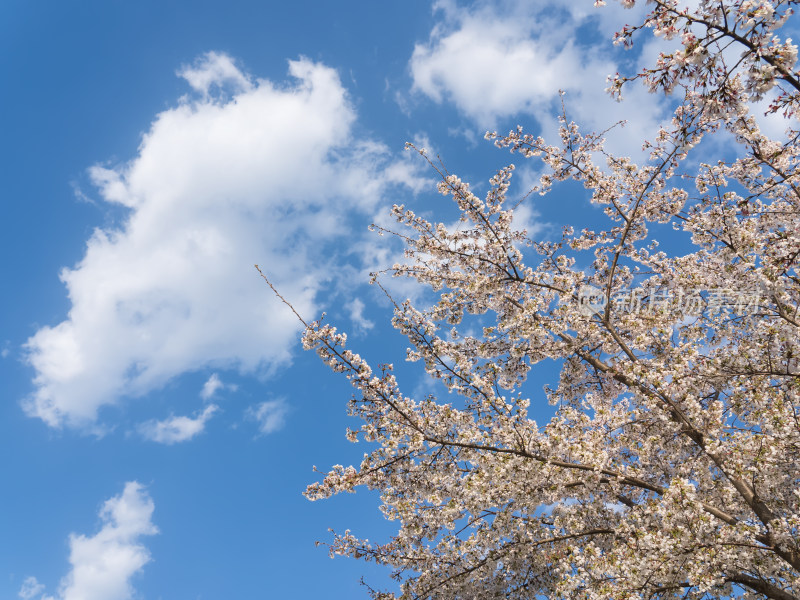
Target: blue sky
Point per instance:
(157, 408)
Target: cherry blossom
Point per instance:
(670, 468)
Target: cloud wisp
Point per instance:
(269, 416)
(176, 429)
(213, 385)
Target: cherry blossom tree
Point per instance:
(670, 468)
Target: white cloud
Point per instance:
(496, 61)
(215, 69)
(213, 385)
(527, 218)
(103, 565)
(177, 429)
(491, 69)
(270, 416)
(30, 588)
(361, 323)
(268, 175)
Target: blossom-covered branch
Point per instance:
(671, 465)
